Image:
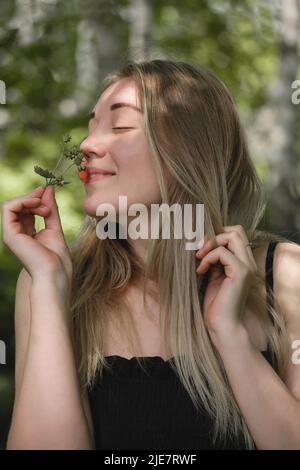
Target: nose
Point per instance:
(92, 149)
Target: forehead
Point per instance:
(124, 90)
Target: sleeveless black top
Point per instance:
(134, 408)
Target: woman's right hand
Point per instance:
(44, 252)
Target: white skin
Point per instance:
(123, 151)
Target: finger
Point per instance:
(202, 243)
(41, 210)
(242, 233)
(30, 208)
(37, 191)
(28, 221)
(52, 220)
(13, 209)
(209, 244)
(239, 229)
(233, 242)
(223, 256)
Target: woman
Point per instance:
(113, 348)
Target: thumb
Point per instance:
(52, 220)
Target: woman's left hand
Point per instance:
(232, 272)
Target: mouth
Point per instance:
(93, 177)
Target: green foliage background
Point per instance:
(225, 36)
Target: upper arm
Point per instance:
(22, 324)
(287, 297)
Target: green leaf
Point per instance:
(67, 138)
(46, 173)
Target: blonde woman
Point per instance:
(139, 343)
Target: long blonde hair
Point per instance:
(195, 135)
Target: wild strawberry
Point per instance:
(83, 175)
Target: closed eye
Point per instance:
(122, 128)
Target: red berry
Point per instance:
(83, 175)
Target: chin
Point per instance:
(90, 206)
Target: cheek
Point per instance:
(135, 159)
(137, 176)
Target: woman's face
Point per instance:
(116, 143)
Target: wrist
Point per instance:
(55, 287)
(50, 308)
(54, 279)
(230, 339)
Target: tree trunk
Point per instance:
(273, 131)
(140, 15)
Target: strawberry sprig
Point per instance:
(56, 176)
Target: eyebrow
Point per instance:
(91, 115)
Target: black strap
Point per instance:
(269, 271)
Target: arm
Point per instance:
(48, 409)
(271, 407)
(43, 349)
(22, 326)
(22, 331)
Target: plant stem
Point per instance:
(58, 163)
(62, 152)
(67, 169)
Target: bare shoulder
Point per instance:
(287, 288)
(286, 265)
(286, 278)
(286, 274)
(286, 261)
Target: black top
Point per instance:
(147, 409)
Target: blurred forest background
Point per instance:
(53, 56)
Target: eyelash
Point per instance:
(122, 128)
